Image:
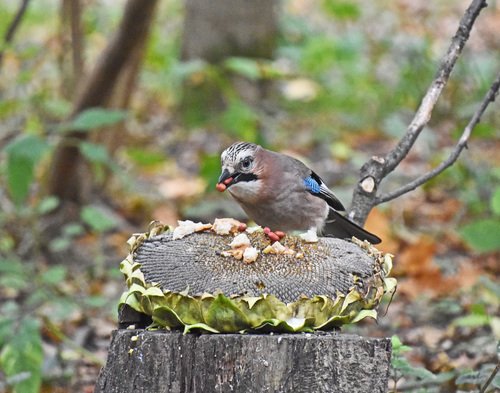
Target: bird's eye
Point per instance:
(246, 163)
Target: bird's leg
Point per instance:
(274, 236)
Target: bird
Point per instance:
(280, 192)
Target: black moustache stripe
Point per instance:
(245, 177)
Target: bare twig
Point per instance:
(490, 379)
(424, 112)
(462, 143)
(377, 168)
(11, 30)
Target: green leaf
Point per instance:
(397, 345)
(59, 244)
(482, 235)
(98, 220)
(248, 68)
(22, 155)
(73, 229)
(57, 107)
(7, 243)
(472, 320)
(407, 370)
(495, 201)
(96, 154)
(145, 157)
(318, 55)
(184, 70)
(241, 120)
(19, 177)
(21, 358)
(96, 301)
(54, 275)
(210, 169)
(6, 329)
(93, 118)
(47, 205)
(341, 9)
(14, 274)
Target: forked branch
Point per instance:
(462, 143)
(377, 168)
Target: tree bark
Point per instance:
(71, 61)
(216, 29)
(67, 178)
(146, 361)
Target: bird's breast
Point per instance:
(247, 192)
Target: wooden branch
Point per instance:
(161, 362)
(462, 143)
(377, 168)
(11, 30)
(76, 39)
(490, 379)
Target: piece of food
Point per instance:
(250, 255)
(241, 241)
(188, 227)
(225, 226)
(221, 187)
(275, 248)
(310, 236)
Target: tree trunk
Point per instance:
(68, 178)
(216, 29)
(146, 361)
(71, 62)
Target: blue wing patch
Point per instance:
(316, 187)
(312, 185)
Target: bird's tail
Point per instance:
(339, 226)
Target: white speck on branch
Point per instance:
(368, 184)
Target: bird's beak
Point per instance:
(225, 180)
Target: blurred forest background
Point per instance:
(108, 122)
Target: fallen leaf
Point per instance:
(379, 224)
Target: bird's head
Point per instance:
(239, 166)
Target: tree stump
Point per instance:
(161, 362)
(194, 284)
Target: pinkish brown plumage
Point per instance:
(280, 192)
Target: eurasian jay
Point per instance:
(280, 192)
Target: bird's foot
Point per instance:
(274, 236)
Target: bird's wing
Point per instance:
(316, 186)
(339, 226)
